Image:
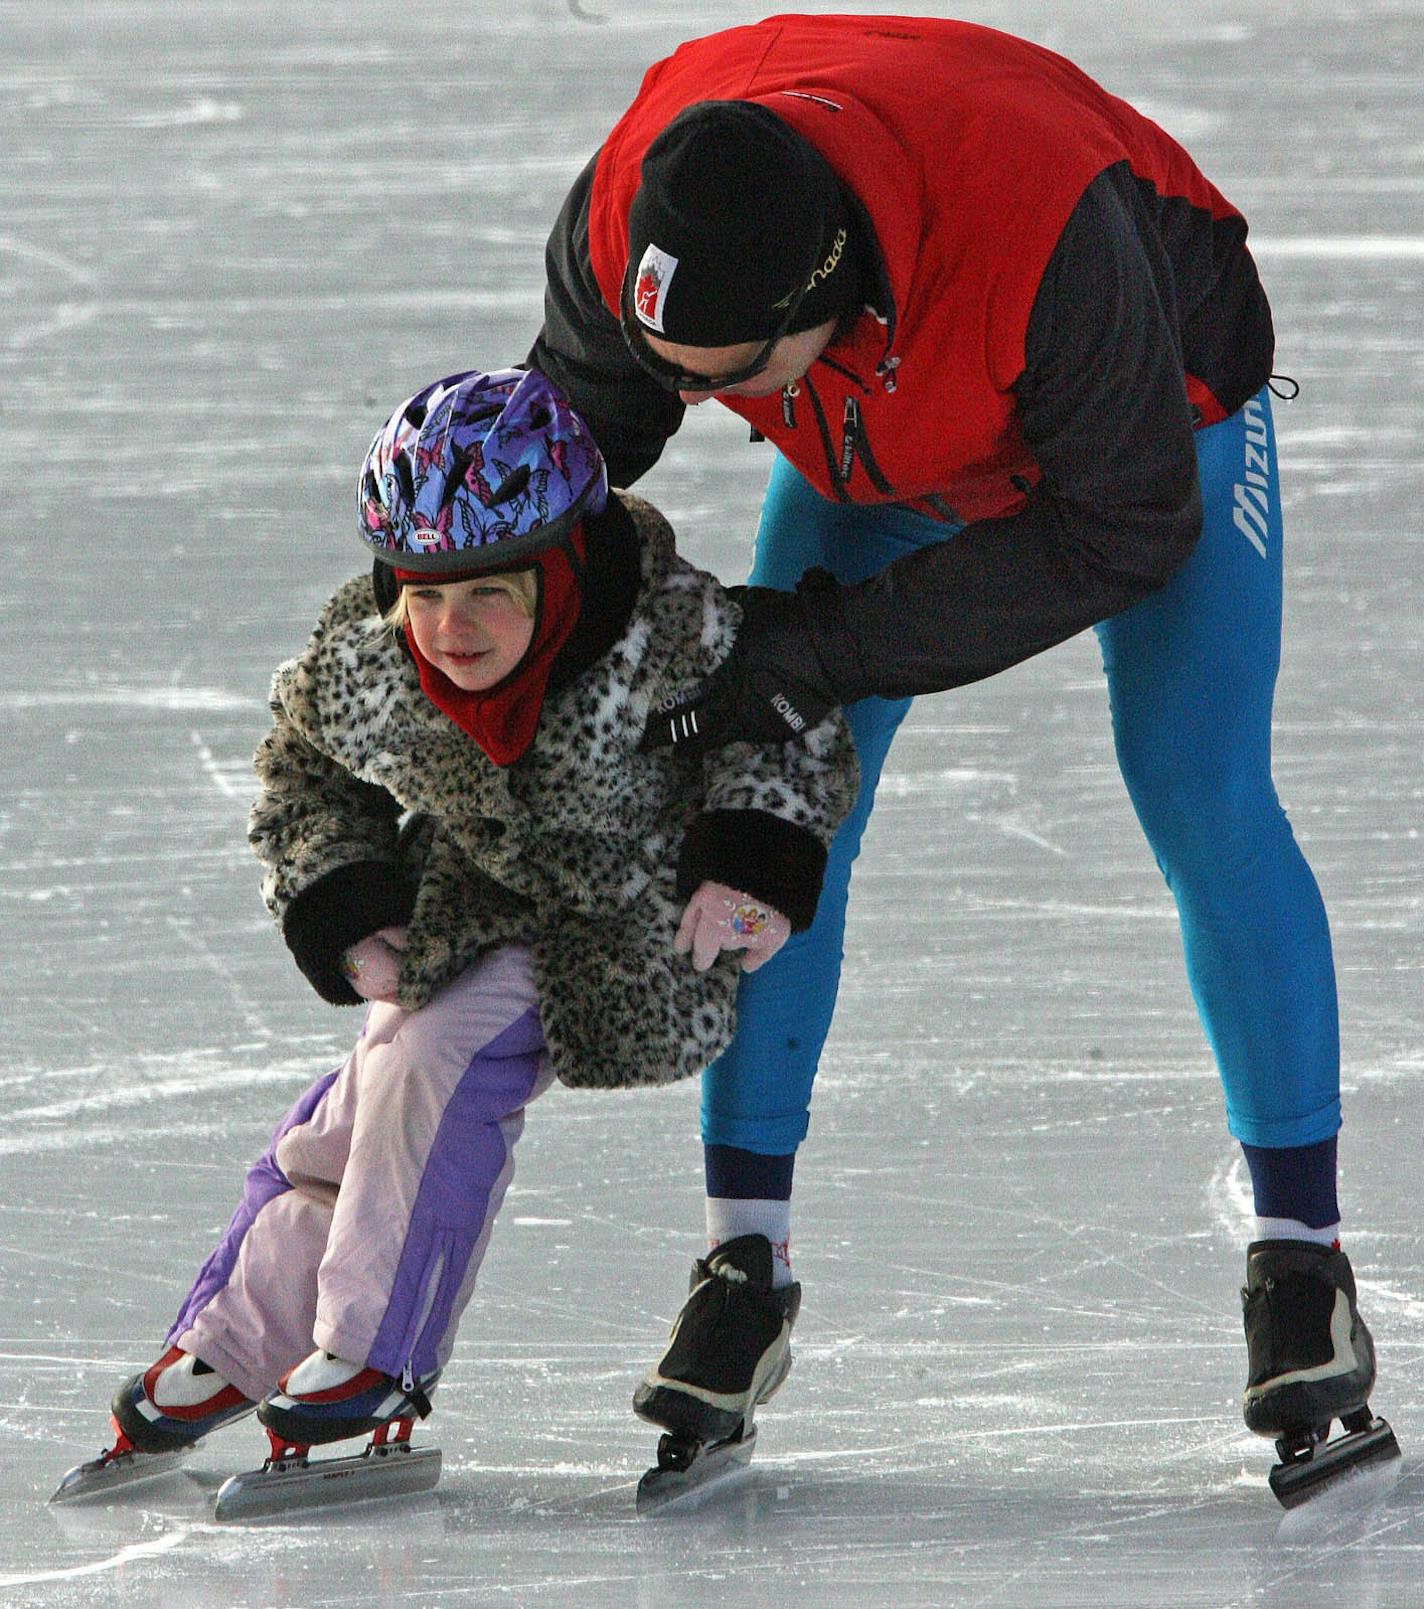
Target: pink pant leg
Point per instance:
(259, 1324)
(439, 1103)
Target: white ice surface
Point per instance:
(231, 236)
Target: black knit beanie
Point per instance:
(738, 231)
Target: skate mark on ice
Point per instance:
(1229, 1198)
(1018, 1588)
(1348, 1500)
(221, 773)
(1330, 1524)
(193, 938)
(902, 784)
(195, 113)
(73, 271)
(1229, 1193)
(1011, 827)
(68, 315)
(126, 1555)
(202, 1075)
(1341, 248)
(176, 699)
(521, 1297)
(1040, 1291)
(1163, 911)
(1384, 1294)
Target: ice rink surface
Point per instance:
(232, 236)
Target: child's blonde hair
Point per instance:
(521, 585)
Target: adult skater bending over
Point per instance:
(1012, 352)
(457, 826)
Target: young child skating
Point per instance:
(456, 826)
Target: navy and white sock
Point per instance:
(1294, 1190)
(750, 1194)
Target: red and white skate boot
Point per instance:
(176, 1402)
(158, 1416)
(325, 1398)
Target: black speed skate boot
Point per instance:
(730, 1347)
(729, 1351)
(1310, 1359)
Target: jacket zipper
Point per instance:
(943, 508)
(826, 445)
(430, 1283)
(854, 438)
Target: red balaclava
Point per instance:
(503, 718)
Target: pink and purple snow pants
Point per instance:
(362, 1226)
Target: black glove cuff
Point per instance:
(337, 911)
(760, 854)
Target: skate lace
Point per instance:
(727, 1287)
(729, 1272)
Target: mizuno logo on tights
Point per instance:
(1252, 495)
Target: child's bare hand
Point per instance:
(372, 965)
(719, 918)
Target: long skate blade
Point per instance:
(711, 1465)
(104, 1475)
(1294, 1482)
(290, 1488)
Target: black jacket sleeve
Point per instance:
(582, 350)
(1103, 407)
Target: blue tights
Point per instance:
(1191, 675)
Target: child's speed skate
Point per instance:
(326, 1399)
(158, 1416)
(729, 1352)
(1311, 1359)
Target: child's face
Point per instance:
(474, 632)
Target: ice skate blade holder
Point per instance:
(118, 1467)
(115, 1471)
(1308, 1462)
(291, 1483)
(688, 1468)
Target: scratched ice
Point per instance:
(231, 235)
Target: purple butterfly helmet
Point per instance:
(478, 471)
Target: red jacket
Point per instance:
(1058, 295)
(969, 156)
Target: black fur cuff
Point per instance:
(330, 915)
(758, 853)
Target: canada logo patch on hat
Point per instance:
(650, 288)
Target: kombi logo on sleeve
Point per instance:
(650, 288)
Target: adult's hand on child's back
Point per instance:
(372, 965)
(720, 918)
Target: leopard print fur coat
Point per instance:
(375, 808)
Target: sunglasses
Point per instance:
(671, 376)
